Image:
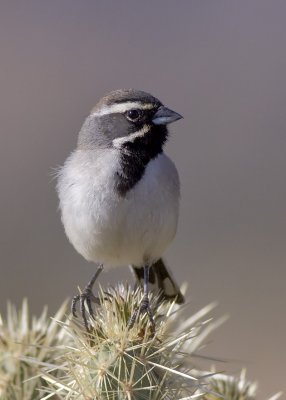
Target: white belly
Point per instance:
(114, 230)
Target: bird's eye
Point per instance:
(134, 115)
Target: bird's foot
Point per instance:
(85, 298)
(144, 307)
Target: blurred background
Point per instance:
(219, 63)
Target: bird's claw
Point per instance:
(144, 307)
(85, 298)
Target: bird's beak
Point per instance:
(164, 116)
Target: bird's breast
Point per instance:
(106, 227)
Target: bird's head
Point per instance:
(126, 119)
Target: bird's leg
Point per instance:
(86, 297)
(144, 305)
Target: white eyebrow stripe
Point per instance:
(122, 108)
(130, 138)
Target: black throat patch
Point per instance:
(136, 154)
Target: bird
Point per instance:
(119, 194)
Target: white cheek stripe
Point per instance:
(130, 138)
(122, 108)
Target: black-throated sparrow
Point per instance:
(119, 192)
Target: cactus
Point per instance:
(230, 388)
(21, 339)
(112, 362)
(42, 359)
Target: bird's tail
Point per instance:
(160, 278)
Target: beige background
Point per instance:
(222, 64)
